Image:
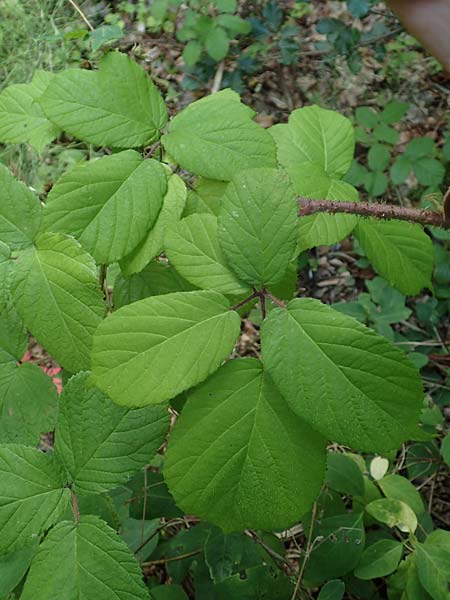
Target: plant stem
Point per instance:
(276, 301)
(307, 551)
(279, 560)
(307, 206)
(245, 301)
(81, 13)
(76, 510)
(163, 561)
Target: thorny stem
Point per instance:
(276, 301)
(81, 13)
(76, 510)
(307, 206)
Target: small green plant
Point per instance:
(374, 131)
(247, 454)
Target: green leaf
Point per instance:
(20, 211)
(157, 279)
(226, 6)
(152, 350)
(393, 112)
(419, 147)
(223, 553)
(217, 43)
(322, 229)
(82, 103)
(234, 24)
(379, 559)
(28, 404)
(32, 495)
(400, 169)
(433, 567)
(206, 197)
(346, 381)
(366, 117)
(192, 52)
(105, 34)
(192, 246)
(376, 183)
(393, 513)
(429, 171)
(216, 137)
(154, 242)
(109, 204)
(100, 443)
(136, 531)
(445, 449)
(397, 487)
(167, 592)
(378, 157)
(56, 292)
(341, 544)
(13, 335)
(384, 133)
(401, 252)
(314, 137)
(258, 225)
(13, 567)
(21, 117)
(228, 433)
(343, 475)
(87, 559)
(151, 497)
(332, 590)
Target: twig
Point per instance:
(163, 561)
(280, 560)
(307, 551)
(158, 530)
(307, 206)
(76, 510)
(81, 13)
(276, 301)
(218, 78)
(245, 301)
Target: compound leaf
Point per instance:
(20, 211)
(21, 117)
(100, 443)
(108, 204)
(216, 137)
(152, 350)
(346, 381)
(84, 560)
(56, 292)
(118, 105)
(32, 495)
(257, 225)
(231, 428)
(192, 246)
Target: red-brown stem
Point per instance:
(307, 206)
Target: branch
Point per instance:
(378, 211)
